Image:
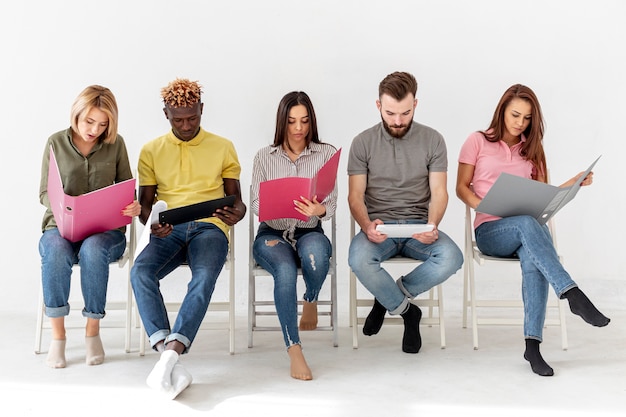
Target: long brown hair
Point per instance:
(290, 100)
(532, 149)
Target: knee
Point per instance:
(270, 243)
(527, 223)
(91, 251)
(315, 258)
(356, 254)
(354, 261)
(136, 276)
(264, 246)
(451, 257)
(313, 262)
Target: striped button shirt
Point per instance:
(273, 162)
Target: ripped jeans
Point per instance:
(276, 255)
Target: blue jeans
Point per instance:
(93, 255)
(275, 255)
(531, 242)
(441, 259)
(204, 247)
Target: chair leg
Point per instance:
(231, 309)
(333, 307)
(40, 318)
(142, 340)
(251, 308)
(472, 290)
(442, 325)
(129, 315)
(431, 296)
(563, 324)
(465, 295)
(353, 312)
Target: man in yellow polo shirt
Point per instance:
(187, 165)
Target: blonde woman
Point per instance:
(90, 155)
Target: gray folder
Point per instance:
(511, 195)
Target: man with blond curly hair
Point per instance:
(187, 165)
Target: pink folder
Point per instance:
(94, 212)
(276, 196)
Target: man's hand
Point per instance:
(427, 238)
(161, 230)
(229, 215)
(374, 235)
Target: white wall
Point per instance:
(248, 54)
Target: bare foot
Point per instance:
(308, 321)
(299, 368)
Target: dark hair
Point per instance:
(398, 85)
(532, 148)
(282, 117)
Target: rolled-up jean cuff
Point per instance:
(566, 289)
(401, 308)
(179, 338)
(55, 312)
(96, 316)
(403, 289)
(157, 337)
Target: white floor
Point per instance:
(377, 379)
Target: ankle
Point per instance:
(537, 363)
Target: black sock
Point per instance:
(583, 307)
(411, 340)
(532, 355)
(374, 320)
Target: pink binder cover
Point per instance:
(276, 196)
(94, 212)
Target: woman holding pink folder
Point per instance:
(90, 155)
(513, 143)
(283, 245)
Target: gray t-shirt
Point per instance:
(397, 170)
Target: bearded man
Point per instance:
(397, 175)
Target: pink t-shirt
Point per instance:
(490, 159)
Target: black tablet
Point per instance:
(195, 211)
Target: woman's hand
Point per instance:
(587, 181)
(309, 208)
(132, 210)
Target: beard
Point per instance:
(397, 131)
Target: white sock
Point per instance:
(181, 379)
(95, 351)
(160, 377)
(56, 354)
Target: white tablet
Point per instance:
(403, 230)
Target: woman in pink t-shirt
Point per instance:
(513, 144)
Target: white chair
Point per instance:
(258, 308)
(227, 306)
(432, 301)
(125, 261)
(472, 302)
